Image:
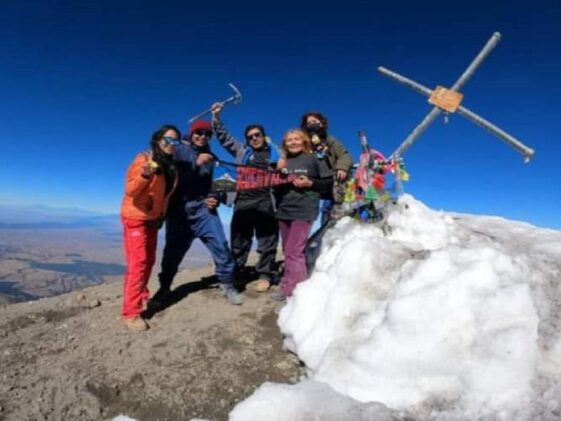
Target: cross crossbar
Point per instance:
(526, 151)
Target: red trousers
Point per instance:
(139, 239)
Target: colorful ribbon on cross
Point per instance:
(369, 178)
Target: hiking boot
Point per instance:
(262, 285)
(277, 296)
(136, 323)
(231, 294)
(158, 301)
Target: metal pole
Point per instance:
(417, 131)
(405, 81)
(501, 134)
(492, 43)
(397, 175)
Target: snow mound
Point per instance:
(299, 403)
(442, 317)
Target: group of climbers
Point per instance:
(172, 183)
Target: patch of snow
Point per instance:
(447, 317)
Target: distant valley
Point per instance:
(47, 251)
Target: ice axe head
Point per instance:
(237, 97)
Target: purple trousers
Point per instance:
(294, 236)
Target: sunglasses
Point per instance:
(254, 136)
(206, 133)
(171, 141)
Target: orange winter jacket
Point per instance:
(145, 199)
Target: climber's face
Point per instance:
(255, 139)
(294, 143)
(312, 122)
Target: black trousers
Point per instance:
(246, 224)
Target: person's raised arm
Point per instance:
(225, 139)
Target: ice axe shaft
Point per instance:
(237, 97)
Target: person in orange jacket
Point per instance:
(151, 179)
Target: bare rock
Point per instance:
(94, 303)
(200, 356)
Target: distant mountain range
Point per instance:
(44, 217)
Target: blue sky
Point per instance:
(84, 84)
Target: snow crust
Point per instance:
(442, 316)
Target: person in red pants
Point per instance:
(297, 207)
(150, 181)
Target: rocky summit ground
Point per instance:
(70, 358)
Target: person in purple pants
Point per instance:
(297, 207)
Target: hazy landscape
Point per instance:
(46, 252)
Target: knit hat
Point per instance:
(199, 125)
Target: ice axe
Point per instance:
(237, 97)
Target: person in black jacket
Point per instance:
(297, 207)
(254, 209)
(192, 214)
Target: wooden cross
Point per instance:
(449, 100)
